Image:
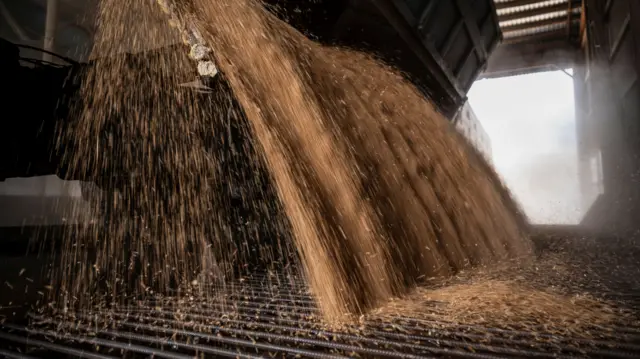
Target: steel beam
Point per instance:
(426, 13)
(51, 24)
(472, 28)
(634, 12)
(536, 38)
(516, 3)
(534, 24)
(533, 12)
(509, 59)
(452, 37)
(13, 24)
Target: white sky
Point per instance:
(530, 120)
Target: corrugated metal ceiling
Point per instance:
(538, 20)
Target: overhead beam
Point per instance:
(534, 24)
(523, 71)
(13, 24)
(536, 38)
(519, 58)
(554, 30)
(51, 23)
(516, 3)
(534, 12)
(474, 32)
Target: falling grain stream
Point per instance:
(379, 192)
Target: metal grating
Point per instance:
(275, 316)
(263, 324)
(534, 20)
(281, 321)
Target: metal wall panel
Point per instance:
(458, 36)
(611, 124)
(468, 124)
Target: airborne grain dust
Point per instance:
(378, 190)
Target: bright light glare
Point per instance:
(530, 120)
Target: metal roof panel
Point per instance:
(525, 19)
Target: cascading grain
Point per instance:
(379, 191)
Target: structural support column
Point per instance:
(634, 10)
(614, 114)
(50, 29)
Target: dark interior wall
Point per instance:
(38, 200)
(441, 44)
(23, 21)
(610, 111)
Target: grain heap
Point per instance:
(379, 191)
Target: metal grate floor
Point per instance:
(262, 321)
(276, 317)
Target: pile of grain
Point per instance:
(379, 191)
(571, 289)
